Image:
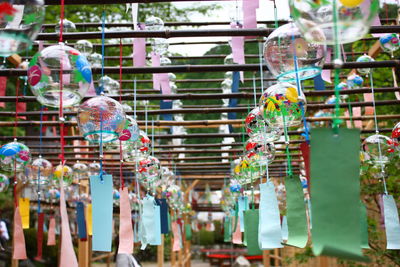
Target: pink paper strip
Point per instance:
(19, 251)
(326, 74)
(176, 245)
(67, 257)
(237, 235)
(51, 235)
(249, 15)
(3, 86)
(164, 82)
(368, 110)
(357, 113)
(139, 52)
(155, 62)
(348, 122)
(125, 223)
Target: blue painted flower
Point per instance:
(84, 67)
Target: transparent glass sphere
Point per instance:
(235, 168)
(39, 171)
(144, 143)
(164, 61)
(390, 42)
(319, 114)
(131, 132)
(149, 170)
(94, 168)
(154, 24)
(68, 26)
(80, 170)
(174, 88)
(235, 187)
(396, 136)
(378, 149)
(65, 172)
(286, 44)
(316, 19)
(263, 152)
(173, 195)
(101, 119)
(4, 182)
(354, 81)
(364, 58)
(20, 23)
(281, 105)
(132, 153)
(167, 178)
(249, 169)
(160, 45)
(228, 60)
(172, 77)
(227, 200)
(228, 75)
(226, 85)
(85, 47)
(257, 127)
(95, 60)
(109, 85)
(52, 194)
(14, 155)
(44, 76)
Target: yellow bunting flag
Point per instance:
(89, 219)
(24, 211)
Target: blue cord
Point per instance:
(103, 21)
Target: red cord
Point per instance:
(121, 180)
(61, 21)
(15, 136)
(61, 114)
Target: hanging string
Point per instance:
(103, 23)
(260, 49)
(254, 91)
(121, 161)
(61, 21)
(40, 156)
(152, 137)
(377, 132)
(336, 115)
(134, 98)
(60, 112)
(145, 118)
(275, 15)
(101, 155)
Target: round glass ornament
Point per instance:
(390, 42)
(317, 20)
(165, 61)
(378, 149)
(52, 194)
(14, 152)
(80, 170)
(44, 75)
(154, 24)
(289, 56)
(65, 172)
(354, 81)
(4, 182)
(262, 151)
(101, 119)
(281, 105)
(95, 60)
(228, 60)
(160, 45)
(149, 170)
(94, 168)
(144, 143)
(109, 86)
(39, 171)
(68, 26)
(85, 47)
(257, 127)
(20, 23)
(396, 136)
(131, 132)
(364, 58)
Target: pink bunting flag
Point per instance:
(51, 235)
(39, 236)
(237, 235)
(139, 52)
(125, 225)
(357, 113)
(67, 257)
(348, 122)
(368, 98)
(249, 15)
(175, 230)
(19, 251)
(237, 45)
(155, 62)
(3, 86)
(326, 74)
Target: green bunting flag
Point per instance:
(251, 217)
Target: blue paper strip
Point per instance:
(243, 205)
(148, 219)
(162, 202)
(285, 231)
(234, 101)
(319, 83)
(157, 227)
(80, 220)
(102, 211)
(166, 105)
(392, 224)
(269, 227)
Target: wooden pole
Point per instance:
(83, 246)
(160, 253)
(266, 258)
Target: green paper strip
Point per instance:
(296, 213)
(188, 232)
(251, 232)
(364, 226)
(335, 191)
(227, 229)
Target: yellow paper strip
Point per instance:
(24, 211)
(89, 219)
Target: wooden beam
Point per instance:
(160, 253)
